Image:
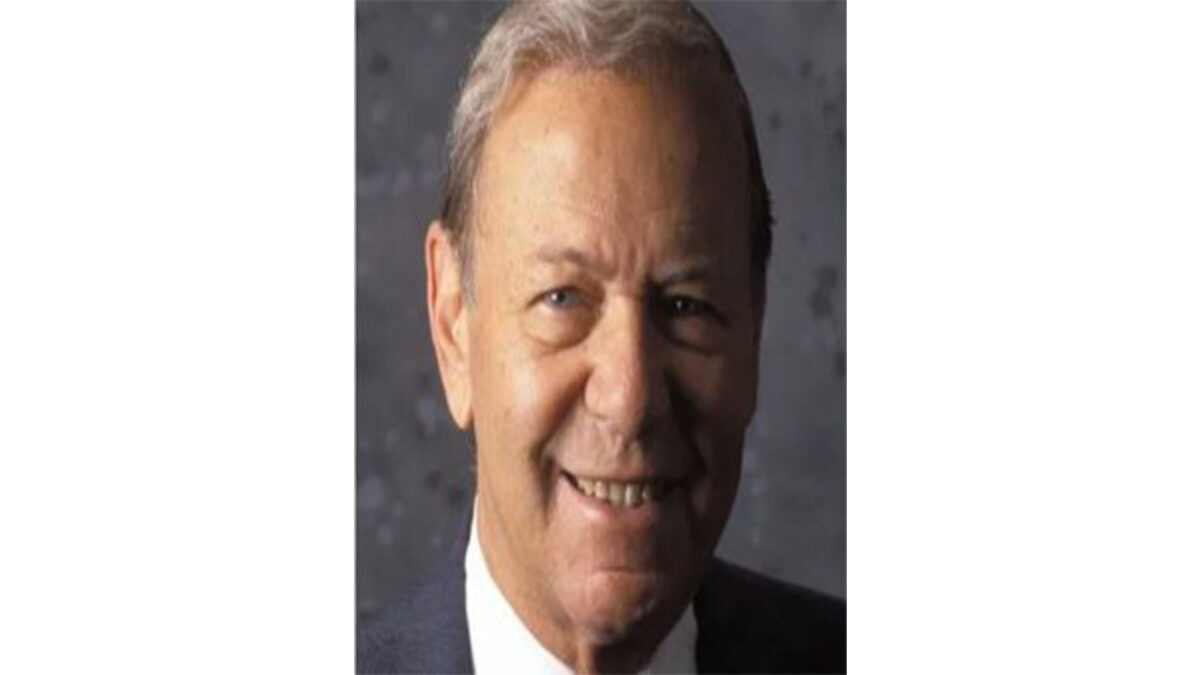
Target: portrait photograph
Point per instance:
(639, 344)
(599, 336)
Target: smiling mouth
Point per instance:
(621, 494)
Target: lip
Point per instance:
(635, 476)
(665, 483)
(600, 512)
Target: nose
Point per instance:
(627, 389)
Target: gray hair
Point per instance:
(620, 35)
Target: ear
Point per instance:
(448, 322)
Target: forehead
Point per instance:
(595, 154)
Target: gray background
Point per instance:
(413, 472)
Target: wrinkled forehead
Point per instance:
(615, 147)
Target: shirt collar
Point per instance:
(501, 643)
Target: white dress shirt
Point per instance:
(500, 642)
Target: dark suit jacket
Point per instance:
(745, 623)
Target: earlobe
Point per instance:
(448, 315)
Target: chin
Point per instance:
(610, 606)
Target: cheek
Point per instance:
(523, 398)
(719, 392)
(721, 396)
(537, 390)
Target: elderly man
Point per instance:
(595, 287)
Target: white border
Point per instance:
(1023, 337)
(176, 378)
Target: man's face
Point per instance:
(613, 338)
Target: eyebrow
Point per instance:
(697, 272)
(559, 255)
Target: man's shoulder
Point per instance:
(751, 622)
(747, 622)
(423, 633)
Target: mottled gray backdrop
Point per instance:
(414, 478)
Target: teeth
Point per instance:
(587, 486)
(623, 495)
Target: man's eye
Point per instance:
(561, 318)
(691, 322)
(683, 306)
(561, 298)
